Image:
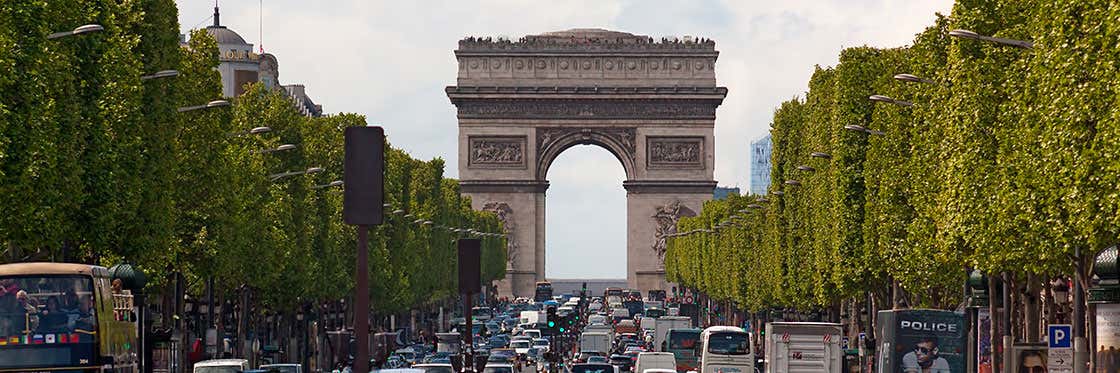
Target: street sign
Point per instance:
(1060, 356)
(1061, 336)
(688, 299)
(844, 343)
(1060, 360)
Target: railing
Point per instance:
(123, 306)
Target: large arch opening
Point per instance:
(585, 221)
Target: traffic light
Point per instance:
(553, 326)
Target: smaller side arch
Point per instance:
(620, 142)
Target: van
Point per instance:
(221, 366)
(655, 360)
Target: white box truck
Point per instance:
(532, 317)
(595, 342)
(661, 329)
(803, 347)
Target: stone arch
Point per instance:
(551, 142)
(651, 104)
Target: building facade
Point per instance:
(239, 65)
(760, 165)
(722, 192)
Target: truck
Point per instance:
(532, 317)
(661, 329)
(802, 347)
(595, 342)
(600, 328)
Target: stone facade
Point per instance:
(650, 103)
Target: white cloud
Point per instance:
(390, 61)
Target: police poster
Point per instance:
(1108, 338)
(925, 341)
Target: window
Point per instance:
(728, 343)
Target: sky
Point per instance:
(390, 61)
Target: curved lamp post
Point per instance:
(888, 100)
(84, 29)
(312, 170)
(208, 105)
(336, 183)
(161, 74)
(966, 34)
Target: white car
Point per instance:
(521, 346)
(499, 368)
(542, 343)
(221, 366)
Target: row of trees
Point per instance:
(1005, 162)
(97, 165)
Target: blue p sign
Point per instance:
(1060, 336)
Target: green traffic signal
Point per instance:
(551, 324)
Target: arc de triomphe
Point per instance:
(652, 104)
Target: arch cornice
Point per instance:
(619, 141)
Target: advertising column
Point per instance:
(1108, 338)
(922, 341)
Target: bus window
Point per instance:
(729, 344)
(47, 321)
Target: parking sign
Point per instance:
(1060, 336)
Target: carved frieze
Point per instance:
(505, 215)
(497, 151)
(675, 151)
(578, 109)
(623, 137)
(666, 217)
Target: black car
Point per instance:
(623, 362)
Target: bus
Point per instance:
(64, 316)
(612, 291)
(683, 343)
(544, 291)
(726, 349)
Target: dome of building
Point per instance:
(224, 35)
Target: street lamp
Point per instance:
(312, 170)
(966, 34)
(855, 128)
(161, 74)
(208, 105)
(793, 182)
(278, 149)
(885, 99)
(911, 78)
(754, 206)
(821, 155)
(84, 29)
(328, 185)
(805, 168)
(779, 193)
(763, 199)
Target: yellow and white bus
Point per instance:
(65, 317)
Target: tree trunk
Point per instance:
(995, 335)
(1031, 311)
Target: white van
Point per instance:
(655, 360)
(221, 366)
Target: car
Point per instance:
(283, 368)
(584, 355)
(655, 360)
(542, 343)
(593, 368)
(221, 366)
(521, 346)
(435, 368)
(535, 333)
(598, 360)
(623, 362)
(499, 368)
